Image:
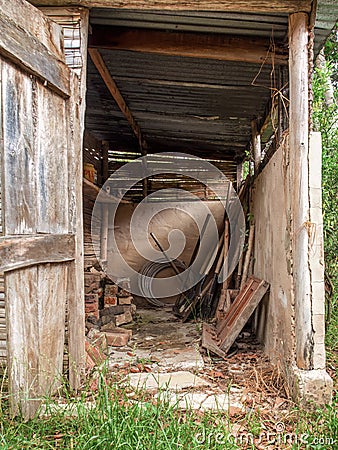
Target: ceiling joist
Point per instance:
(116, 94)
(197, 45)
(273, 6)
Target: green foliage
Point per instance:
(325, 120)
(115, 418)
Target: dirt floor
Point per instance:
(161, 344)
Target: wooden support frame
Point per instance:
(14, 45)
(198, 45)
(116, 94)
(256, 145)
(273, 6)
(299, 154)
(19, 252)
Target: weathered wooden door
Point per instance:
(41, 182)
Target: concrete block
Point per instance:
(319, 356)
(174, 381)
(318, 297)
(318, 323)
(117, 337)
(312, 388)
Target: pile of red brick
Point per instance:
(107, 307)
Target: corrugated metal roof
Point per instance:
(199, 106)
(200, 21)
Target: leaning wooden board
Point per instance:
(220, 338)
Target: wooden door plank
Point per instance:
(35, 23)
(52, 282)
(25, 51)
(22, 251)
(18, 150)
(51, 162)
(23, 340)
(75, 295)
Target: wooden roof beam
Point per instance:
(274, 6)
(197, 45)
(116, 94)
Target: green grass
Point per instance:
(117, 420)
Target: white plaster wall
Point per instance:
(270, 206)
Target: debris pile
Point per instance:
(108, 305)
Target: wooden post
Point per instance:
(256, 145)
(105, 173)
(299, 152)
(239, 177)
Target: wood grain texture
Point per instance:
(52, 282)
(41, 184)
(36, 24)
(14, 45)
(18, 158)
(286, 6)
(299, 153)
(75, 295)
(23, 340)
(51, 162)
(195, 45)
(18, 252)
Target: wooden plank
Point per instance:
(23, 251)
(219, 339)
(23, 340)
(240, 311)
(256, 145)
(104, 232)
(66, 18)
(14, 45)
(299, 154)
(52, 282)
(196, 45)
(35, 23)
(75, 294)
(18, 156)
(116, 94)
(273, 6)
(51, 156)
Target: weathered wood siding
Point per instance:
(41, 171)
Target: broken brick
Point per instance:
(110, 300)
(95, 353)
(117, 337)
(125, 300)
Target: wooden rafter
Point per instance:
(197, 45)
(116, 94)
(274, 6)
